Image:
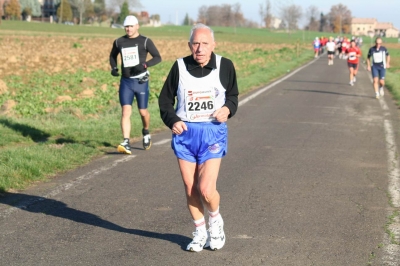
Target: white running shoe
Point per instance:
(351, 83)
(217, 235)
(381, 91)
(198, 242)
(146, 142)
(377, 95)
(354, 79)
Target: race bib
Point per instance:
(200, 105)
(130, 56)
(352, 56)
(378, 58)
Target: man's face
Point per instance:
(378, 42)
(202, 46)
(131, 30)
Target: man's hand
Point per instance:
(179, 127)
(221, 114)
(114, 72)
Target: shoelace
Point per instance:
(198, 237)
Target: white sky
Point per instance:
(174, 11)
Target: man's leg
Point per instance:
(124, 147)
(126, 121)
(376, 86)
(190, 180)
(145, 115)
(208, 174)
(351, 69)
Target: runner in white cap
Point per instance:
(133, 49)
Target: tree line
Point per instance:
(338, 20)
(79, 11)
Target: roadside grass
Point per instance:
(43, 137)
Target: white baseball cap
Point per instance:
(130, 21)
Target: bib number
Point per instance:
(378, 58)
(130, 56)
(200, 105)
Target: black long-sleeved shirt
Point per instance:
(227, 76)
(145, 45)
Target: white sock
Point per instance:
(200, 224)
(213, 216)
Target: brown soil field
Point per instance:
(21, 55)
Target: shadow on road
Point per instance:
(37, 204)
(331, 92)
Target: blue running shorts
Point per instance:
(378, 72)
(130, 88)
(202, 141)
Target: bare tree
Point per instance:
(312, 14)
(131, 3)
(202, 15)
(2, 3)
(80, 6)
(266, 13)
(340, 19)
(224, 15)
(291, 16)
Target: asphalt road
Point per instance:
(307, 181)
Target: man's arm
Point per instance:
(166, 100)
(113, 55)
(228, 71)
(153, 51)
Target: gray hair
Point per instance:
(200, 26)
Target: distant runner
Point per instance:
(134, 82)
(353, 54)
(331, 47)
(380, 58)
(317, 47)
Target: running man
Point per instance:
(134, 82)
(206, 91)
(331, 47)
(345, 45)
(317, 47)
(353, 54)
(380, 58)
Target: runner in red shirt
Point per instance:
(353, 53)
(345, 46)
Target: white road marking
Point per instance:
(162, 142)
(66, 186)
(391, 252)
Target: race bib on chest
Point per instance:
(352, 56)
(378, 58)
(130, 56)
(200, 105)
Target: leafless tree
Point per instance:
(224, 15)
(80, 6)
(312, 15)
(291, 15)
(266, 13)
(131, 3)
(340, 19)
(2, 3)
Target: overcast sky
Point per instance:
(174, 11)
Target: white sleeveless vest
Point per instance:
(198, 98)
